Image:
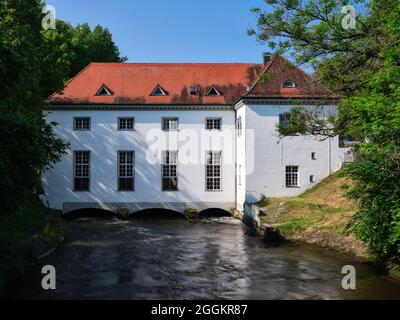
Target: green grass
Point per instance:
(322, 208)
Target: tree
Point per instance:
(27, 143)
(362, 65)
(69, 49)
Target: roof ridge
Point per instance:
(178, 63)
(265, 68)
(70, 80)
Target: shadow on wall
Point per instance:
(58, 181)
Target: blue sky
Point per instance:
(172, 30)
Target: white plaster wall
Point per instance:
(241, 162)
(104, 141)
(273, 154)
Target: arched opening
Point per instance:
(214, 212)
(88, 213)
(156, 213)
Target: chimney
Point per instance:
(266, 56)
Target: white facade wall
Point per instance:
(104, 141)
(241, 170)
(271, 154)
(253, 162)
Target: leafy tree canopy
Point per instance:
(69, 49)
(362, 65)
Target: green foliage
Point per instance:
(69, 49)
(33, 64)
(53, 233)
(295, 123)
(18, 232)
(123, 213)
(377, 189)
(361, 65)
(27, 143)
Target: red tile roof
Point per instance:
(276, 72)
(133, 83)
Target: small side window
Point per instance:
(289, 84)
(313, 156)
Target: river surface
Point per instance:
(170, 258)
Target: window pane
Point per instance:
(82, 123)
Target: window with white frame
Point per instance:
(126, 124)
(213, 123)
(126, 170)
(82, 123)
(292, 176)
(104, 91)
(169, 170)
(213, 170)
(289, 84)
(81, 170)
(170, 124)
(213, 92)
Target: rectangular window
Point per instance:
(213, 170)
(213, 123)
(312, 180)
(170, 124)
(126, 124)
(283, 119)
(239, 126)
(81, 170)
(169, 171)
(292, 176)
(82, 123)
(313, 156)
(240, 174)
(126, 170)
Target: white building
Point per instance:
(180, 136)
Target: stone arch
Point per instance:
(214, 212)
(157, 212)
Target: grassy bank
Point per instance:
(319, 216)
(21, 234)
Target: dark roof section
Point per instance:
(276, 72)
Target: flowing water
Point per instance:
(170, 258)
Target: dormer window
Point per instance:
(104, 91)
(159, 92)
(213, 92)
(194, 91)
(289, 84)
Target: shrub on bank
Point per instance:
(18, 232)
